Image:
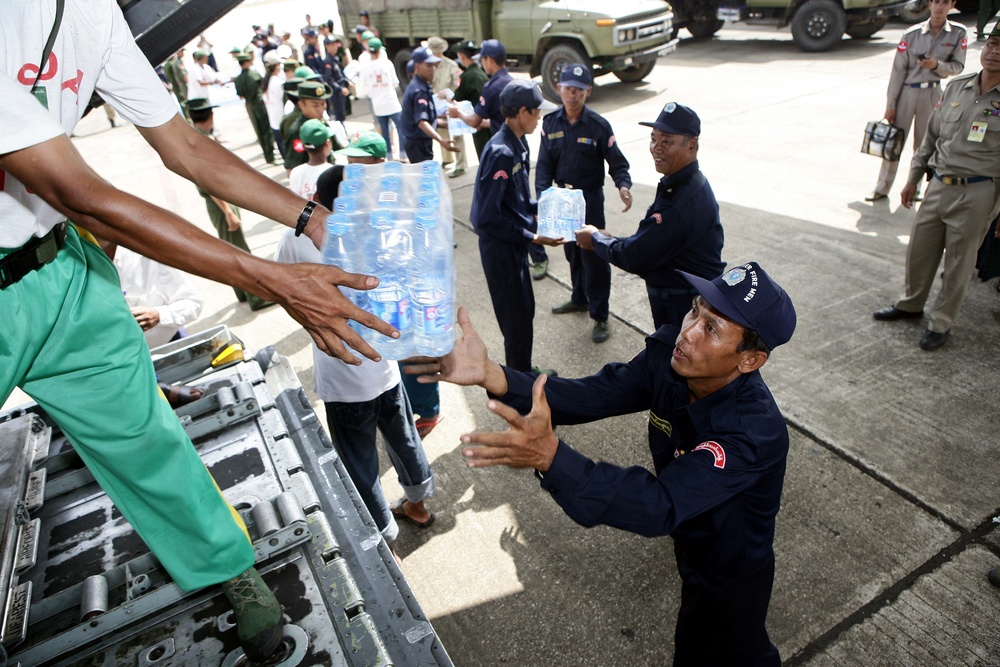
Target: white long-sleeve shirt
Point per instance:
(151, 284)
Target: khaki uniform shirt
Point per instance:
(447, 75)
(964, 114)
(948, 47)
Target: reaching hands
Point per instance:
(528, 442)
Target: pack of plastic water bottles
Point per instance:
(561, 211)
(394, 221)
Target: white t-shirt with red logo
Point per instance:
(94, 50)
(380, 81)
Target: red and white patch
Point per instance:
(965, 43)
(658, 218)
(611, 141)
(482, 100)
(500, 174)
(298, 146)
(717, 451)
(422, 101)
(902, 47)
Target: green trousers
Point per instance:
(235, 238)
(262, 128)
(70, 342)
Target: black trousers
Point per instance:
(669, 306)
(419, 150)
(506, 268)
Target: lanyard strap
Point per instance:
(60, 4)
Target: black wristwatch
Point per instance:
(307, 211)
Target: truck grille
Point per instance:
(640, 30)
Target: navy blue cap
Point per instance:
(524, 93)
(422, 54)
(409, 67)
(576, 76)
(677, 119)
(494, 48)
(747, 295)
(309, 32)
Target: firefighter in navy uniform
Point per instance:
(718, 442)
(576, 142)
(681, 230)
(503, 216)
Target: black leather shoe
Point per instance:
(932, 340)
(890, 313)
(994, 576)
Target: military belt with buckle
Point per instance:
(33, 255)
(960, 180)
(925, 84)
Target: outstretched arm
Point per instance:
(56, 172)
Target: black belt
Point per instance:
(33, 255)
(961, 180)
(925, 84)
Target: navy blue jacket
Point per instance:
(418, 105)
(502, 207)
(573, 155)
(489, 99)
(334, 75)
(681, 230)
(313, 58)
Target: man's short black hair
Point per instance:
(752, 342)
(327, 185)
(509, 112)
(199, 115)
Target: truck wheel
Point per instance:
(920, 13)
(818, 25)
(552, 64)
(635, 73)
(866, 29)
(399, 62)
(704, 28)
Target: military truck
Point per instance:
(543, 35)
(817, 25)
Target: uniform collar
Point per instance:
(561, 114)
(926, 27)
(679, 176)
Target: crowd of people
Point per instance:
(717, 439)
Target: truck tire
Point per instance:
(818, 25)
(399, 62)
(635, 73)
(700, 29)
(553, 61)
(866, 29)
(918, 14)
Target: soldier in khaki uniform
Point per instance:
(247, 84)
(447, 76)
(927, 52)
(962, 150)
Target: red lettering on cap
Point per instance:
(902, 46)
(500, 174)
(717, 451)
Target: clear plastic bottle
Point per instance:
(431, 288)
(388, 256)
(343, 249)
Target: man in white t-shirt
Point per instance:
(315, 136)
(70, 342)
(202, 78)
(379, 81)
(361, 400)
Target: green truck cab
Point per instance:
(817, 25)
(623, 39)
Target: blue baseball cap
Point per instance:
(677, 119)
(576, 75)
(747, 295)
(422, 54)
(494, 48)
(524, 93)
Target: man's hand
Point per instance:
(585, 237)
(232, 222)
(626, 196)
(468, 363)
(907, 195)
(453, 111)
(146, 317)
(529, 442)
(890, 115)
(450, 146)
(928, 63)
(548, 240)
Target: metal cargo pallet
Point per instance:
(78, 587)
